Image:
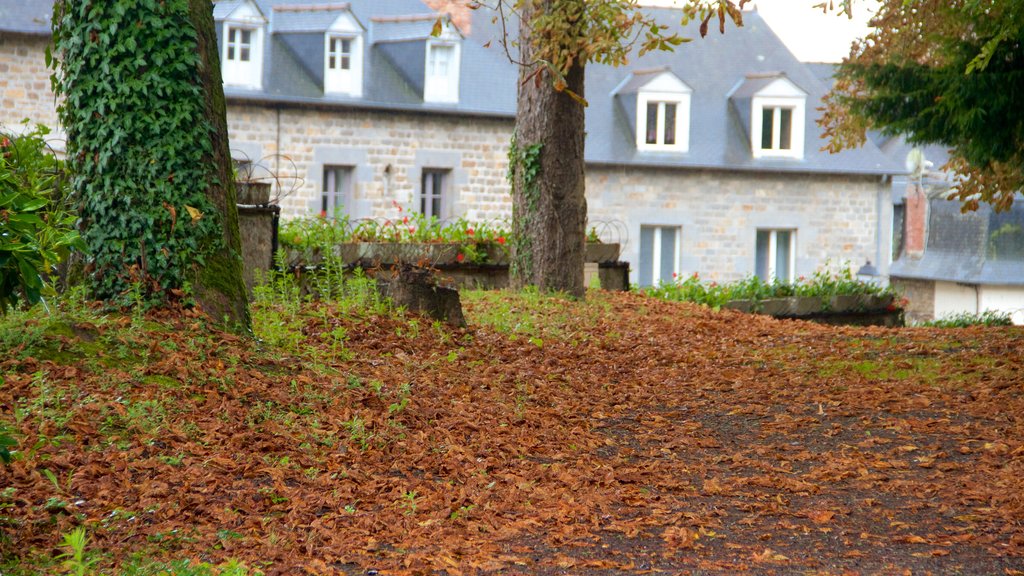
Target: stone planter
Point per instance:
(252, 193)
(776, 307)
(806, 306)
(409, 253)
(745, 306)
(600, 252)
(498, 254)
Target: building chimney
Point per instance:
(916, 220)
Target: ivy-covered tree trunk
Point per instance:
(143, 106)
(549, 208)
(220, 289)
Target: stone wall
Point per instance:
(836, 218)
(388, 152)
(920, 295)
(25, 82)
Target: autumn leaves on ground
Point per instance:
(620, 435)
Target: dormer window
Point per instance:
(239, 44)
(242, 43)
(442, 72)
(776, 128)
(658, 103)
(343, 55)
(661, 123)
(773, 110)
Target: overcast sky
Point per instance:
(811, 35)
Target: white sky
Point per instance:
(810, 35)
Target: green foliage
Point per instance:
(76, 559)
(966, 319)
(138, 142)
(524, 162)
(822, 284)
(7, 442)
(937, 72)
(311, 236)
(36, 224)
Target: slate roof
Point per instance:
(712, 67)
(26, 16)
(982, 247)
(394, 51)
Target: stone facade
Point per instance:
(24, 82)
(920, 295)
(836, 219)
(387, 152)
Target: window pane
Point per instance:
(346, 46)
(345, 65)
(670, 123)
(440, 56)
(331, 62)
(783, 249)
(668, 253)
(231, 51)
(244, 54)
(766, 128)
(761, 255)
(435, 206)
(652, 122)
(785, 128)
(431, 192)
(646, 277)
(246, 37)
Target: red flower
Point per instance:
(501, 239)
(460, 258)
(323, 213)
(469, 231)
(674, 275)
(405, 220)
(5, 143)
(412, 230)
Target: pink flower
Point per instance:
(412, 230)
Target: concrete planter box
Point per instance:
(600, 252)
(841, 310)
(252, 193)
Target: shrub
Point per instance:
(822, 284)
(36, 222)
(965, 319)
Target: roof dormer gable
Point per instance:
(241, 27)
(773, 111)
(657, 104)
(426, 49)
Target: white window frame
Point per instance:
(656, 271)
(339, 80)
(798, 111)
(331, 190)
(682, 124)
(442, 88)
(771, 267)
(234, 70)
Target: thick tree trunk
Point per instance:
(549, 212)
(220, 289)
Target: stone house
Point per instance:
(948, 262)
(705, 160)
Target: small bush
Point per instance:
(37, 226)
(965, 319)
(822, 284)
